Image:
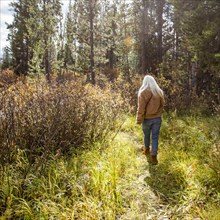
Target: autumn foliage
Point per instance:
(43, 118)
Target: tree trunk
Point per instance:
(111, 53)
(46, 40)
(144, 39)
(91, 20)
(47, 68)
(160, 7)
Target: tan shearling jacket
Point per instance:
(149, 106)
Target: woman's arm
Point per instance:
(143, 100)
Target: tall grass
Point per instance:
(114, 181)
(89, 185)
(188, 175)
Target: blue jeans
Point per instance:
(151, 126)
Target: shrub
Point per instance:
(7, 77)
(41, 118)
(129, 90)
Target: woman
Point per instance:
(150, 108)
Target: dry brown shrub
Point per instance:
(177, 95)
(41, 118)
(7, 77)
(129, 90)
(182, 96)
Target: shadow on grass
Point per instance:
(168, 186)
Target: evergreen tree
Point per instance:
(7, 59)
(145, 11)
(124, 38)
(160, 22)
(35, 29)
(19, 36)
(199, 35)
(51, 15)
(84, 15)
(70, 39)
(32, 34)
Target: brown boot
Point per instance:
(154, 160)
(146, 151)
(147, 154)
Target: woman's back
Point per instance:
(151, 105)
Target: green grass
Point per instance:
(114, 181)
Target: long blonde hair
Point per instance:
(150, 83)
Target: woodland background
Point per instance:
(177, 41)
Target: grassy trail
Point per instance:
(144, 202)
(184, 185)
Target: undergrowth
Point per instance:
(42, 118)
(89, 185)
(188, 175)
(112, 180)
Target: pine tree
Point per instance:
(199, 40)
(70, 39)
(32, 34)
(6, 59)
(160, 21)
(19, 37)
(83, 36)
(51, 15)
(144, 11)
(35, 30)
(125, 38)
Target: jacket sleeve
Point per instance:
(143, 100)
(162, 101)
